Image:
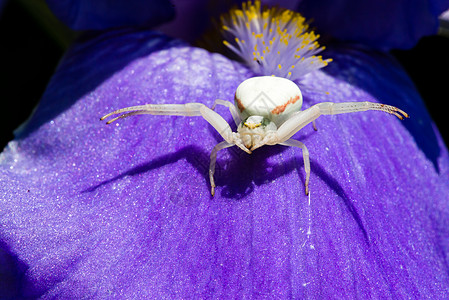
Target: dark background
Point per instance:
(30, 52)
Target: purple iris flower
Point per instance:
(124, 211)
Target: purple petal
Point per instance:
(102, 14)
(95, 211)
(379, 24)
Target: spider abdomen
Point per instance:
(274, 98)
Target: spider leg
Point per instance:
(189, 109)
(213, 159)
(232, 109)
(329, 108)
(305, 156)
(133, 113)
(298, 120)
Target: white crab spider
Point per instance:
(267, 111)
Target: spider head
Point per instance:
(255, 130)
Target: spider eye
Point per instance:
(253, 122)
(252, 125)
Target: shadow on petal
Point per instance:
(194, 155)
(296, 163)
(237, 184)
(334, 185)
(12, 270)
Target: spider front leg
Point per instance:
(188, 109)
(300, 119)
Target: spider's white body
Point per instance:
(267, 111)
(274, 98)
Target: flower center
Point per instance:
(272, 41)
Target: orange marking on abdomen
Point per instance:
(280, 108)
(239, 104)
